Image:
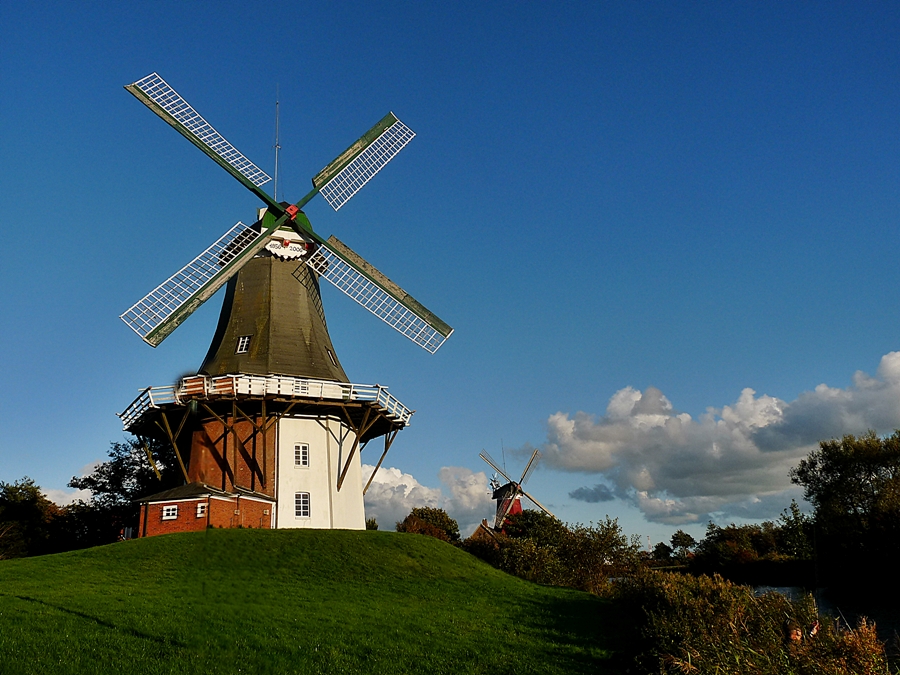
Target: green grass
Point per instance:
(253, 601)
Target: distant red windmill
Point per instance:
(509, 495)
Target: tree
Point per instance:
(682, 542)
(594, 554)
(128, 474)
(543, 529)
(852, 481)
(26, 518)
(115, 485)
(431, 521)
(854, 487)
(662, 551)
(795, 533)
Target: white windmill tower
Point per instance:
(269, 432)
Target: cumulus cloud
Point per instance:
(598, 493)
(393, 494)
(470, 497)
(66, 497)
(731, 461)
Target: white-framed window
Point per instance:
(301, 455)
(170, 512)
(201, 509)
(243, 344)
(331, 356)
(301, 504)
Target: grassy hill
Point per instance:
(255, 601)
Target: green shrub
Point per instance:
(596, 554)
(543, 529)
(706, 625)
(415, 525)
(527, 559)
(541, 549)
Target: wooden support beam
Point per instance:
(150, 457)
(225, 429)
(388, 441)
(363, 428)
(236, 439)
(257, 471)
(265, 444)
(218, 456)
(168, 431)
(187, 412)
(262, 428)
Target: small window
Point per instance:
(201, 509)
(331, 356)
(301, 455)
(301, 504)
(243, 344)
(170, 512)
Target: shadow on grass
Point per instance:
(587, 632)
(101, 622)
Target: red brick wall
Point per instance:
(152, 522)
(220, 512)
(218, 459)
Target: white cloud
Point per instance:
(393, 494)
(66, 497)
(470, 500)
(730, 462)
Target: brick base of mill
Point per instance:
(197, 506)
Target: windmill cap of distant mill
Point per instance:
(283, 234)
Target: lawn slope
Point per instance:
(256, 601)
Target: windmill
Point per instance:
(271, 395)
(509, 495)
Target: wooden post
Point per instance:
(363, 428)
(168, 431)
(388, 440)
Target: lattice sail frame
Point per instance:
(349, 180)
(202, 276)
(156, 315)
(332, 267)
(170, 101)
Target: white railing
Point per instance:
(260, 386)
(151, 397)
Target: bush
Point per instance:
(596, 554)
(541, 549)
(706, 625)
(526, 559)
(432, 522)
(543, 529)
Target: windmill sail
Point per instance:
(162, 310)
(493, 464)
(356, 166)
(158, 313)
(156, 94)
(335, 262)
(530, 467)
(538, 504)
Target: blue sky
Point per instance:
(631, 214)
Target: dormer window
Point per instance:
(243, 344)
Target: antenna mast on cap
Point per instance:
(277, 146)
